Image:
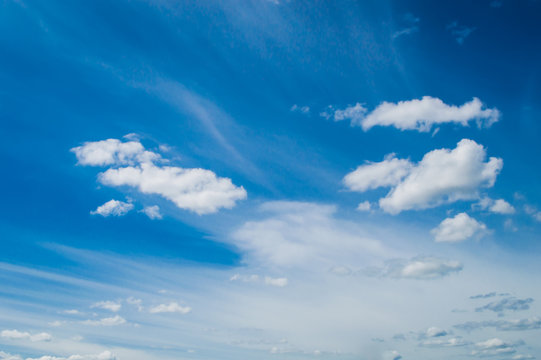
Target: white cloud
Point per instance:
(106, 355)
(458, 228)
(442, 176)
(197, 190)
(493, 347)
(372, 175)
(417, 268)
(19, 335)
(108, 305)
(364, 206)
(110, 321)
(279, 282)
(499, 206)
(112, 152)
(303, 234)
(136, 302)
(153, 212)
(533, 212)
(113, 207)
(6, 356)
(301, 109)
(172, 307)
(450, 342)
(72, 312)
(418, 114)
(435, 332)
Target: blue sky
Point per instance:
(270, 179)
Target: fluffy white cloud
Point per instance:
(418, 114)
(417, 268)
(493, 347)
(107, 305)
(110, 321)
(435, 332)
(19, 335)
(114, 208)
(499, 206)
(106, 355)
(372, 175)
(197, 190)
(442, 176)
(112, 152)
(153, 212)
(458, 228)
(172, 307)
(450, 342)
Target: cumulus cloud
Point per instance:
(110, 321)
(503, 325)
(172, 307)
(499, 206)
(435, 332)
(458, 228)
(197, 190)
(153, 212)
(509, 303)
(493, 347)
(442, 176)
(20, 335)
(372, 175)
(112, 152)
(114, 208)
(421, 268)
(418, 114)
(364, 206)
(107, 305)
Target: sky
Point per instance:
(270, 179)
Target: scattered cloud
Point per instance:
(110, 321)
(460, 32)
(421, 268)
(172, 307)
(114, 208)
(300, 109)
(197, 190)
(279, 282)
(364, 206)
(493, 347)
(509, 303)
(435, 332)
(458, 228)
(417, 114)
(107, 305)
(533, 212)
(499, 206)
(442, 176)
(20, 335)
(503, 325)
(484, 296)
(410, 26)
(153, 212)
(136, 302)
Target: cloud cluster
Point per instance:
(505, 304)
(20, 335)
(498, 206)
(114, 208)
(442, 176)
(197, 190)
(503, 325)
(417, 114)
(109, 321)
(106, 355)
(107, 305)
(458, 228)
(172, 307)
